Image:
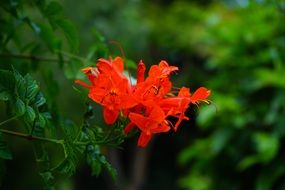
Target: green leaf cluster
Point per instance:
(237, 51)
(39, 53)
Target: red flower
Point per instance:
(201, 94)
(153, 123)
(156, 85)
(148, 104)
(176, 106)
(110, 88)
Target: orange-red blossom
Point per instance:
(148, 104)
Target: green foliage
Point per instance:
(96, 160)
(239, 53)
(235, 48)
(37, 46)
(28, 101)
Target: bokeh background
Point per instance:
(236, 48)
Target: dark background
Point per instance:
(235, 48)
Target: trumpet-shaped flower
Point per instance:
(148, 104)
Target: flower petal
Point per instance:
(201, 93)
(139, 120)
(110, 116)
(157, 114)
(140, 72)
(82, 83)
(129, 127)
(118, 63)
(144, 139)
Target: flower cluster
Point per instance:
(148, 104)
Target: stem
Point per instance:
(30, 137)
(30, 57)
(8, 120)
(33, 127)
(72, 56)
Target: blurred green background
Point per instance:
(236, 48)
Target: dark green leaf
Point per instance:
(32, 87)
(97, 160)
(70, 130)
(4, 95)
(30, 114)
(53, 9)
(40, 4)
(93, 161)
(33, 25)
(48, 36)
(20, 107)
(267, 146)
(269, 175)
(7, 81)
(40, 100)
(72, 70)
(70, 33)
(69, 164)
(130, 64)
(42, 121)
(48, 179)
(96, 166)
(20, 84)
(38, 130)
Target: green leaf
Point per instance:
(48, 179)
(40, 4)
(69, 164)
(196, 181)
(33, 25)
(20, 84)
(267, 146)
(220, 139)
(38, 130)
(73, 70)
(40, 100)
(72, 151)
(269, 175)
(130, 64)
(268, 77)
(20, 107)
(32, 87)
(4, 151)
(97, 160)
(70, 130)
(197, 150)
(247, 162)
(48, 36)
(7, 81)
(53, 9)
(30, 114)
(205, 115)
(42, 121)
(70, 33)
(92, 154)
(5, 95)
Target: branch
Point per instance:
(30, 137)
(8, 120)
(30, 57)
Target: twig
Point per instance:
(30, 137)
(8, 120)
(31, 57)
